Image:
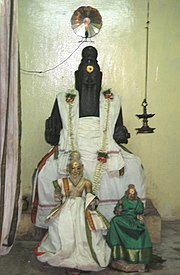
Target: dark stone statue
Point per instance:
(89, 86)
(98, 134)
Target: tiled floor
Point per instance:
(21, 259)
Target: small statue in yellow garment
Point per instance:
(77, 184)
(75, 238)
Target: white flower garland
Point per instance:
(70, 100)
(100, 166)
(71, 134)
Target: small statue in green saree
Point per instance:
(128, 236)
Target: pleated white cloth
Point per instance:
(66, 243)
(88, 132)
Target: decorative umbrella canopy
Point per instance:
(86, 21)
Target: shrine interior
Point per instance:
(50, 53)
(46, 39)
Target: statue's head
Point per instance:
(88, 72)
(75, 167)
(131, 193)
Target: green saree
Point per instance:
(127, 236)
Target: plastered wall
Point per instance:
(46, 40)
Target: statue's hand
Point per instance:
(52, 131)
(94, 204)
(117, 212)
(121, 172)
(118, 208)
(140, 218)
(121, 134)
(58, 196)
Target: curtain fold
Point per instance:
(10, 126)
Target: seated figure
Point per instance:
(128, 236)
(88, 119)
(75, 238)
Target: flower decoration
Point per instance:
(89, 69)
(102, 157)
(70, 97)
(107, 94)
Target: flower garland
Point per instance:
(70, 97)
(102, 154)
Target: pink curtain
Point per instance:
(10, 126)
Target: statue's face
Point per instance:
(75, 171)
(88, 75)
(131, 193)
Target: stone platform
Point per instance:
(27, 231)
(153, 221)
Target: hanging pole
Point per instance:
(145, 128)
(147, 51)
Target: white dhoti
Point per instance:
(67, 244)
(88, 134)
(112, 186)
